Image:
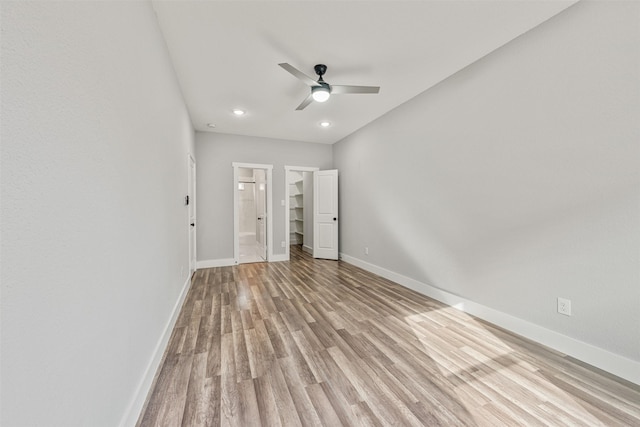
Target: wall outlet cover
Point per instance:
(564, 306)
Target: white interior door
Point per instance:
(191, 205)
(261, 212)
(325, 214)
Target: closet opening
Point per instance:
(299, 208)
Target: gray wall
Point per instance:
(516, 180)
(95, 137)
(215, 154)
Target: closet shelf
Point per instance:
(297, 209)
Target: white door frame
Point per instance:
(191, 208)
(287, 216)
(261, 226)
(236, 211)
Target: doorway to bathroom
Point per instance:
(252, 213)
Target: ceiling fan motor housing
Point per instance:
(320, 69)
(321, 92)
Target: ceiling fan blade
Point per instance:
(304, 103)
(299, 74)
(338, 89)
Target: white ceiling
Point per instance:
(226, 56)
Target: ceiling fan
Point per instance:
(321, 90)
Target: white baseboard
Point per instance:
(307, 249)
(226, 262)
(140, 396)
(595, 356)
(210, 263)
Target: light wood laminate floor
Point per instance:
(314, 342)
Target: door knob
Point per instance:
(335, 219)
(193, 224)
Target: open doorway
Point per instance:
(252, 213)
(252, 208)
(299, 208)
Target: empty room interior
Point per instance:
(320, 213)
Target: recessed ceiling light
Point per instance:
(211, 125)
(325, 124)
(238, 112)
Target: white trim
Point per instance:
(192, 202)
(236, 223)
(211, 263)
(139, 399)
(236, 220)
(287, 212)
(251, 165)
(308, 249)
(301, 168)
(598, 357)
(270, 214)
(226, 262)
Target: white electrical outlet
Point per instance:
(564, 306)
(282, 244)
(366, 251)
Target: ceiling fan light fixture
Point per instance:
(321, 90)
(320, 93)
